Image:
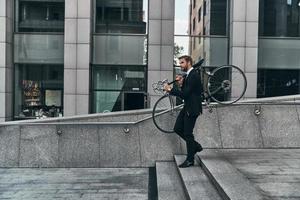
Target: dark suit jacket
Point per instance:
(191, 92)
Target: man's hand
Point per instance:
(167, 88)
(179, 79)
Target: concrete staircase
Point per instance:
(211, 178)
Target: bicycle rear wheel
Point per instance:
(227, 84)
(165, 112)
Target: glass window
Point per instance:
(40, 16)
(39, 48)
(205, 38)
(199, 14)
(218, 17)
(204, 8)
(121, 16)
(38, 91)
(120, 49)
(279, 18)
(115, 87)
(213, 49)
(129, 78)
(119, 55)
(278, 82)
(278, 67)
(193, 38)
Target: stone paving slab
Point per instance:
(276, 172)
(74, 183)
(169, 184)
(197, 184)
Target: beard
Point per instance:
(184, 69)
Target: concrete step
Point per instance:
(230, 183)
(169, 184)
(196, 183)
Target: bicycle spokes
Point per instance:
(227, 84)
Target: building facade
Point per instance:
(71, 57)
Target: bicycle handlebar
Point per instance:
(196, 65)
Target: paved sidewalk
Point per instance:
(275, 172)
(74, 183)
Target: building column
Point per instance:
(243, 49)
(161, 43)
(78, 15)
(6, 62)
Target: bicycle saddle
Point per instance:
(198, 64)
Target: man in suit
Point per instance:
(191, 93)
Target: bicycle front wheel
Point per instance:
(227, 84)
(165, 112)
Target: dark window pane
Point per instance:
(279, 18)
(218, 17)
(112, 14)
(37, 16)
(121, 16)
(277, 82)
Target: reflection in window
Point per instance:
(279, 18)
(40, 16)
(277, 82)
(121, 16)
(38, 91)
(199, 15)
(218, 17)
(116, 87)
(189, 30)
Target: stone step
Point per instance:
(196, 183)
(169, 184)
(230, 183)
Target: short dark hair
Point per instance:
(187, 58)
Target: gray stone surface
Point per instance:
(155, 145)
(196, 182)
(280, 126)
(207, 130)
(239, 127)
(38, 146)
(79, 146)
(230, 183)
(91, 184)
(276, 172)
(9, 146)
(119, 149)
(169, 184)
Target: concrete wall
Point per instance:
(160, 44)
(78, 15)
(87, 145)
(6, 62)
(244, 40)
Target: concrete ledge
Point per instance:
(196, 182)
(230, 183)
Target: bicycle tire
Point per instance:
(165, 112)
(227, 84)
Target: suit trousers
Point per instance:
(184, 128)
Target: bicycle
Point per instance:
(225, 85)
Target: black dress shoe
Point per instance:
(199, 148)
(186, 163)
